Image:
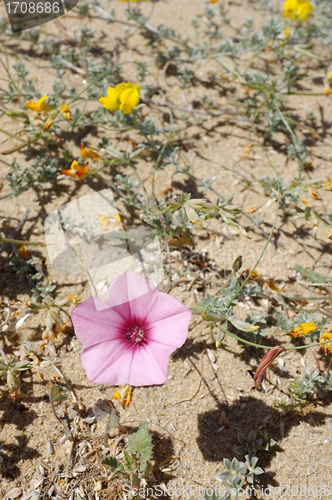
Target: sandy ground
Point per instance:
(190, 434)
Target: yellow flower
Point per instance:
(304, 10)
(124, 96)
(303, 329)
(297, 9)
(286, 32)
(65, 111)
(73, 299)
(49, 122)
(329, 75)
(290, 8)
(40, 105)
(76, 170)
(123, 394)
(213, 1)
(89, 153)
(326, 336)
(22, 251)
(106, 222)
(327, 90)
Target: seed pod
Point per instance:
(270, 356)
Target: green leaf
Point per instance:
(310, 275)
(230, 221)
(114, 419)
(56, 393)
(114, 465)
(282, 321)
(243, 326)
(146, 472)
(129, 462)
(140, 443)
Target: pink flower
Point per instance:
(130, 343)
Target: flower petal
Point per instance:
(108, 362)
(128, 287)
(172, 331)
(109, 103)
(129, 99)
(112, 363)
(94, 326)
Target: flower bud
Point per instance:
(270, 356)
(210, 316)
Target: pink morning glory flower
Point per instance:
(130, 343)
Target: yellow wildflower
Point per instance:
(327, 90)
(326, 336)
(22, 251)
(304, 9)
(213, 1)
(106, 222)
(73, 299)
(49, 122)
(118, 222)
(286, 32)
(40, 105)
(303, 329)
(65, 111)
(329, 76)
(124, 96)
(297, 9)
(89, 153)
(328, 184)
(290, 8)
(76, 170)
(123, 394)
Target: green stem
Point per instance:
(242, 340)
(22, 242)
(264, 249)
(309, 54)
(271, 347)
(303, 93)
(13, 150)
(11, 135)
(285, 122)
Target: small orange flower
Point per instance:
(327, 90)
(314, 194)
(76, 170)
(49, 122)
(123, 394)
(251, 210)
(89, 153)
(39, 106)
(65, 111)
(22, 251)
(106, 222)
(303, 329)
(73, 299)
(328, 184)
(326, 336)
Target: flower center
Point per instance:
(135, 335)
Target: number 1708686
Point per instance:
(33, 7)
